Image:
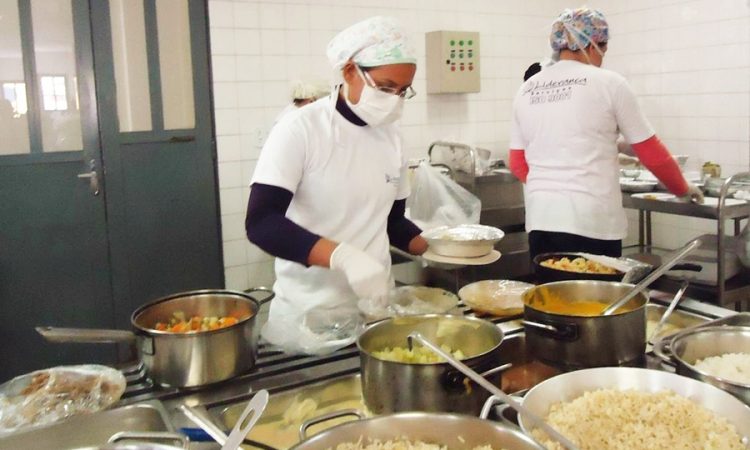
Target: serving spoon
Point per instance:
(494, 390)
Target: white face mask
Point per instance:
(375, 107)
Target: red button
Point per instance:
(453, 68)
(462, 68)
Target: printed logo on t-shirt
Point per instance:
(392, 180)
(553, 90)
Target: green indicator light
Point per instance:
(453, 42)
(471, 42)
(460, 42)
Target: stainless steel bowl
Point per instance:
(687, 348)
(450, 430)
(571, 385)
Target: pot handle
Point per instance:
(268, 298)
(326, 417)
(84, 335)
(456, 378)
(493, 401)
(150, 436)
(563, 331)
(663, 349)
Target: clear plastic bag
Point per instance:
(316, 332)
(46, 396)
(436, 200)
(409, 301)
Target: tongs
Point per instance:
(494, 390)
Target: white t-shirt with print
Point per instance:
(567, 119)
(345, 179)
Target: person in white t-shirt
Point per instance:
(563, 143)
(328, 194)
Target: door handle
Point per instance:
(93, 180)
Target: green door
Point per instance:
(108, 193)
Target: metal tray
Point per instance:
(91, 429)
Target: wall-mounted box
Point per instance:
(452, 62)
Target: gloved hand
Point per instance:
(366, 276)
(625, 160)
(694, 194)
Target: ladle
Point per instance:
(668, 312)
(494, 390)
(671, 261)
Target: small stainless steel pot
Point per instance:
(389, 386)
(186, 359)
(579, 341)
(448, 430)
(569, 386)
(691, 346)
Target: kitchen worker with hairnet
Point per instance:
(328, 194)
(303, 93)
(563, 143)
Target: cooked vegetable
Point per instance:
(417, 355)
(580, 265)
(180, 324)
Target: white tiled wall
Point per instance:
(688, 61)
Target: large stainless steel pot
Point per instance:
(186, 359)
(569, 386)
(389, 386)
(449, 430)
(686, 348)
(578, 341)
(147, 440)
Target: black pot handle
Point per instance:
(268, 298)
(453, 378)
(557, 330)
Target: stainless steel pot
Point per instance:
(144, 441)
(574, 341)
(686, 348)
(389, 386)
(449, 430)
(571, 385)
(186, 359)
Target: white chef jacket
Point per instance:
(567, 119)
(345, 179)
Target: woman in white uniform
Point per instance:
(566, 121)
(328, 194)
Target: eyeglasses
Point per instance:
(405, 93)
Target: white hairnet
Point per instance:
(575, 29)
(309, 90)
(376, 41)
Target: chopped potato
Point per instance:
(179, 323)
(417, 355)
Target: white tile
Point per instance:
(297, 17)
(225, 95)
(247, 42)
(273, 42)
(271, 16)
(249, 68)
(246, 15)
(251, 143)
(220, 14)
(250, 94)
(236, 278)
(227, 122)
(228, 148)
(247, 169)
(297, 42)
(231, 201)
(234, 253)
(276, 96)
(255, 254)
(222, 41)
(230, 174)
(261, 274)
(251, 119)
(223, 68)
(233, 227)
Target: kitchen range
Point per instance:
(351, 382)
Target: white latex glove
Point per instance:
(366, 276)
(694, 194)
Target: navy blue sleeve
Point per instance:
(400, 229)
(268, 227)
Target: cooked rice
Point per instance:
(397, 444)
(729, 366)
(632, 420)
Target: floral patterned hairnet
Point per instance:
(574, 29)
(376, 41)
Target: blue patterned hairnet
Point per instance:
(376, 41)
(574, 29)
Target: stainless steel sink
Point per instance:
(91, 429)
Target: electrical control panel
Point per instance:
(452, 62)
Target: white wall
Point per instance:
(688, 61)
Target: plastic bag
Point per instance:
(317, 332)
(436, 200)
(409, 301)
(46, 396)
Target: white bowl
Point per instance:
(463, 241)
